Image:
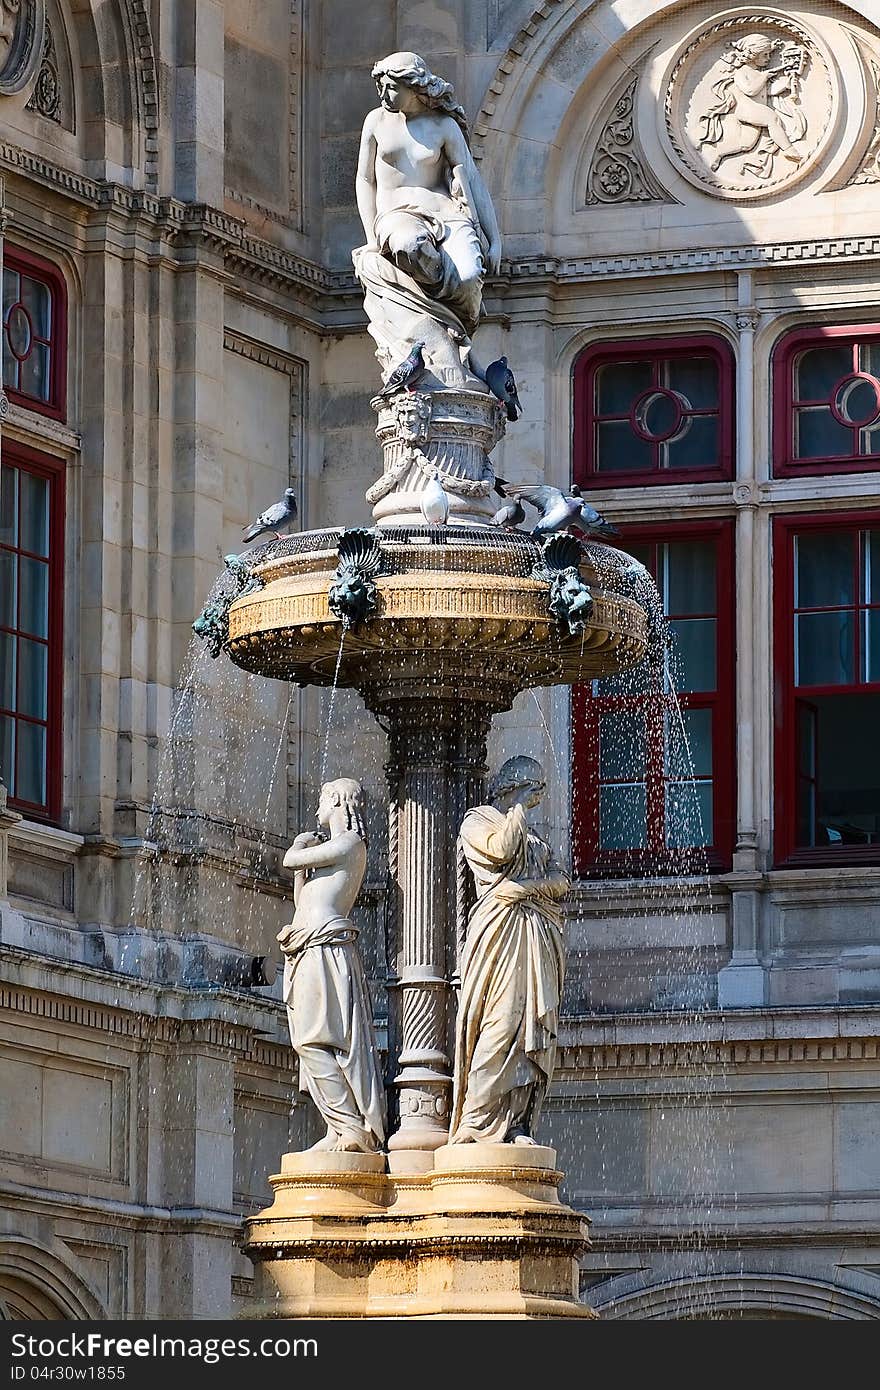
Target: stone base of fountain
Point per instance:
(481, 1234)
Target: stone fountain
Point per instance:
(439, 626)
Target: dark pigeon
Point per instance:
(407, 373)
(502, 383)
(512, 514)
(274, 517)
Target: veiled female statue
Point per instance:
(432, 235)
(512, 967)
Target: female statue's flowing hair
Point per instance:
(433, 90)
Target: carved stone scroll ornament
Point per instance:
(749, 104)
(618, 173)
(869, 169)
(46, 96)
(22, 26)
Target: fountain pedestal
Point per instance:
(481, 1234)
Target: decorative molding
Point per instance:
(148, 88)
(869, 169)
(618, 173)
(516, 49)
(22, 26)
(585, 1059)
(711, 120)
(46, 96)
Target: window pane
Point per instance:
(37, 300)
(8, 596)
(619, 450)
(696, 446)
(657, 414)
(694, 654)
(34, 373)
(870, 541)
(869, 440)
(824, 569)
(869, 358)
(34, 615)
(33, 663)
(7, 753)
(7, 670)
(690, 577)
(824, 649)
(31, 780)
(818, 370)
(871, 646)
(621, 746)
(8, 504)
(818, 435)
(10, 288)
(623, 817)
(34, 513)
(806, 717)
(846, 808)
(688, 815)
(689, 743)
(619, 383)
(696, 378)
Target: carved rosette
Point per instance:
(450, 431)
(22, 30)
(749, 104)
(46, 96)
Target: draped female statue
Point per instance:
(432, 235)
(512, 966)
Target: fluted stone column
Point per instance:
(436, 770)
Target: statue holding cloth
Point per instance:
(512, 967)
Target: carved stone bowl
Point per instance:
(457, 613)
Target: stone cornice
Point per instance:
(671, 1056)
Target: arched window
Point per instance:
(653, 410)
(827, 401)
(34, 333)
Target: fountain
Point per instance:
(439, 625)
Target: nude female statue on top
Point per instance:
(432, 235)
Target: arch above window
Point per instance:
(653, 410)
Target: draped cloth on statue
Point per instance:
(397, 304)
(331, 1029)
(511, 981)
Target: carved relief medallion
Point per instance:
(22, 24)
(749, 104)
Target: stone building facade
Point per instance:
(689, 197)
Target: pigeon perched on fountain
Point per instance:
(510, 515)
(407, 373)
(281, 513)
(435, 503)
(502, 383)
(560, 511)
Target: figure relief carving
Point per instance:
(22, 25)
(617, 169)
(749, 104)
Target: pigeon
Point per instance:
(560, 510)
(502, 383)
(279, 514)
(406, 373)
(512, 514)
(435, 503)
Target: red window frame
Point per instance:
(785, 698)
(25, 263)
(658, 350)
(590, 860)
(28, 460)
(785, 353)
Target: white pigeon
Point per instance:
(435, 503)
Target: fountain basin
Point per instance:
(457, 610)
